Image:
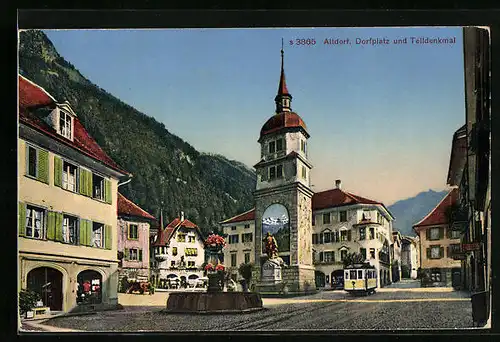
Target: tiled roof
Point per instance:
(164, 235)
(246, 216)
(321, 200)
(438, 214)
(31, 97)
(282, 120)
(127, 207)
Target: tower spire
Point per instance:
(283, 99)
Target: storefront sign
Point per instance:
(468, 247)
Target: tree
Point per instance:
(353, 258)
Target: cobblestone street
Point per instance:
(389, 308)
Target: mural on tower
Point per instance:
(276, 222)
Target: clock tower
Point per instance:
(283, 194)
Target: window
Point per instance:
(313, 219)
(346, 276)
(304, 172)
(362, 233)
(191, 238)
(303, 145)
(98, 187)
(343, 216)
(315, 238)
(133, 232)
(69, 176)
(133, 254)
(343, 235)
(233, 259)
(455, 248)
(247, 237)
(329, 256)
(247, 226)
(247, 258)
(272, 147)
(279, 171)
(272, 172)
(32, 161)
(181, 237)
(434, 234)
(279, 144)
(372, 233)
(191, 251)
(234, 238)
(372, 253)
(326, 218)
(435, 252)
(190, 264)
(352, 275)
(174, 251)
(362, 251)
(327, 237)
(164, 250)
(455, 234)
(233, 227)
(69, 229)
(436, 275)
(97, 235)
(360, 274)
(367, 214)
(65, 124)
(34, 222)
(343, 254)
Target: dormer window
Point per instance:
(65, 124)
(272, 147)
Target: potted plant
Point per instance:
(27, 301)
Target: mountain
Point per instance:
(411, 210)
(207, 187)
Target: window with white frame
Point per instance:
(69, 229)
(97, 235)
(233, 259)
(327, 237)
(69, 176)
(234, 238)
(343, 216)
(343, 235)
(304, 172)
(343, 254)
(133, 254)
(247, 226)
(303, 146)
(191, 238)
(372, 233)
(98, 186)
(133, 231)
(329, 256)
(279, 171)
(35, 218)
(246, 237)
(362, 233)
(455, 234)
(435, 252)
(190, 264)
(65, 124)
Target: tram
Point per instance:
(360, 279)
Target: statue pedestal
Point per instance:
(271, 271)
(294, 280)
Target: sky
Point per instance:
(381, 117)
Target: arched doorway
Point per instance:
(89, 287)
(47, 282)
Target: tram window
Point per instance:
(352, 275)
(360, 274)
(347, 275)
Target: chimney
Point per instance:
(338, 183)
(182, 216)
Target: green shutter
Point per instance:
(81, 176)
(83, 232)
(107, 236)
(140, 254)
(51, 225)
(58, 165)
(89, 184)
(43, 166)
(88, 233)
(441, 232)
(59, 224)
(107, 190)
(22, 219)
(428, 253)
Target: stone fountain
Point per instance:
(215, 299)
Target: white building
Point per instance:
(409, 257)
(240, 246)
(396, 256)
(179, 250)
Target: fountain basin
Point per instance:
(213, 302)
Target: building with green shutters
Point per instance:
(67, 207)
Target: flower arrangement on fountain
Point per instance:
(210, 268)
(215, 241)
